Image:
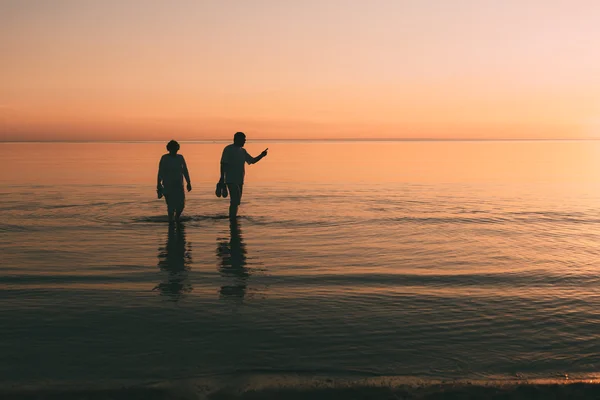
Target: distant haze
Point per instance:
(188, 69)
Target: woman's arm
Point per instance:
(186, 174)
(159, 177)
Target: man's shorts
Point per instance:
(235, 193)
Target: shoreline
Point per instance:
(293, 386)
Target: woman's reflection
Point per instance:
(175, 258)
(232, 263)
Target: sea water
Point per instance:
(428, 260)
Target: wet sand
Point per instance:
(322, 388)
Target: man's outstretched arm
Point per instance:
(254, 160)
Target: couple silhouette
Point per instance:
(172, 169)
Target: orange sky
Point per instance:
(153, 70)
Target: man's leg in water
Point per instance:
(233, 209)
(235, 197)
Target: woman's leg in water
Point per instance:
(179, 207)
(170, 209)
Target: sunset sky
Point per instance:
(192, 69)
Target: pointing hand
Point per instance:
(264, 153)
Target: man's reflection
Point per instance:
(175, 258)
(232, 263)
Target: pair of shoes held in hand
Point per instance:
(221, 190)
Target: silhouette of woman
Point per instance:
(171, 171)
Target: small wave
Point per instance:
(554, 216)
(184, 218)
(70, 278)
(513, 218)
(303, 223)
(254, 219)
(334, 221)
(86, 205)
(446, 280)
(448, 220)
(11, 228)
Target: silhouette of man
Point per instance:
(233, 170)
(171, 171)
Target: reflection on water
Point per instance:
(175, 258)
(232, 263)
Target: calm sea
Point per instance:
(432, 260)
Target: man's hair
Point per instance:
(239, 135)
(173, 145)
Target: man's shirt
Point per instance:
(235, 158)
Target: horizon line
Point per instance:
(316, 140)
